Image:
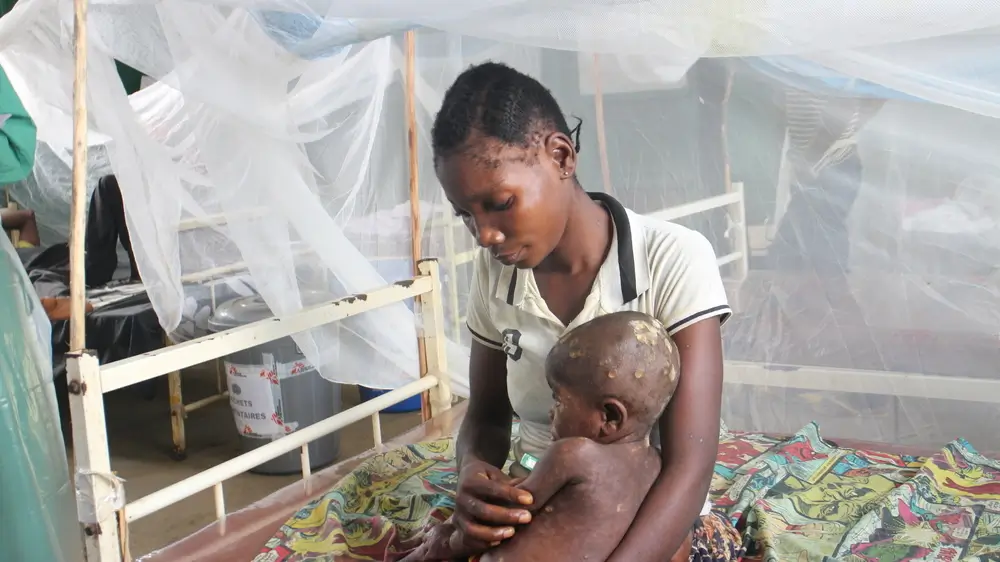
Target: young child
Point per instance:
(611, 379)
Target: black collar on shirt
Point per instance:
(511, 287)
(626, 257)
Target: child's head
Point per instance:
(612, 377)
(505, 157)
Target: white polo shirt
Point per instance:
(655, 267)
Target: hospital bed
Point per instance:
(238, 536)
(242, 535)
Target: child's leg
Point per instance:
(714, 539)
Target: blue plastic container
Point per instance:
(406, 406)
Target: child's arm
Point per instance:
(564, 464)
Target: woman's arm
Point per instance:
(485, 499)
(689, 433)
(485, 495)
(485, 432)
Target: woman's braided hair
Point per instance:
(499, 103)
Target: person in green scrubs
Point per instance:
(18, 137)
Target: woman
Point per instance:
(17, 156)
(553, 257)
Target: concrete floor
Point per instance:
(140, 442)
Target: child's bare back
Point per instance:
(611, 379)
(589, 495)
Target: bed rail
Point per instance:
(100, 496)
(737, 229)
(885, 383)
(212, 278)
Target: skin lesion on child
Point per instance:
(611, 379)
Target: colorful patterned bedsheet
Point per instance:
(799, 499)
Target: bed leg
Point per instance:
(177, 414)
(306, 468)
(432, 315)
(220, 506)
(377, 430)
(99, 492)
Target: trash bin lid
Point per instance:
(246, 310)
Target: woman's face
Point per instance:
(514, 200)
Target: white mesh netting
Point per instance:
(859, 240)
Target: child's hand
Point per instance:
(443, 542)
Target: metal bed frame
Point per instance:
(103, 511)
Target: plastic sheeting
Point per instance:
(871, 241)
(39, 511)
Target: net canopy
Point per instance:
(839, 155)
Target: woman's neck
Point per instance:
(586, 240)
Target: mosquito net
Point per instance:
(840, 155)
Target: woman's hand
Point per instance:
(487, 503)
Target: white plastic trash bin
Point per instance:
(273, 390)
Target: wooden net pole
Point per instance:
(414, 166)
(723, 129)
(602, 141)
(78, 205)
(105, 534)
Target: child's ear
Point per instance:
(613, 415)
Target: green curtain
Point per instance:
(17, 135)
(36, 493)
